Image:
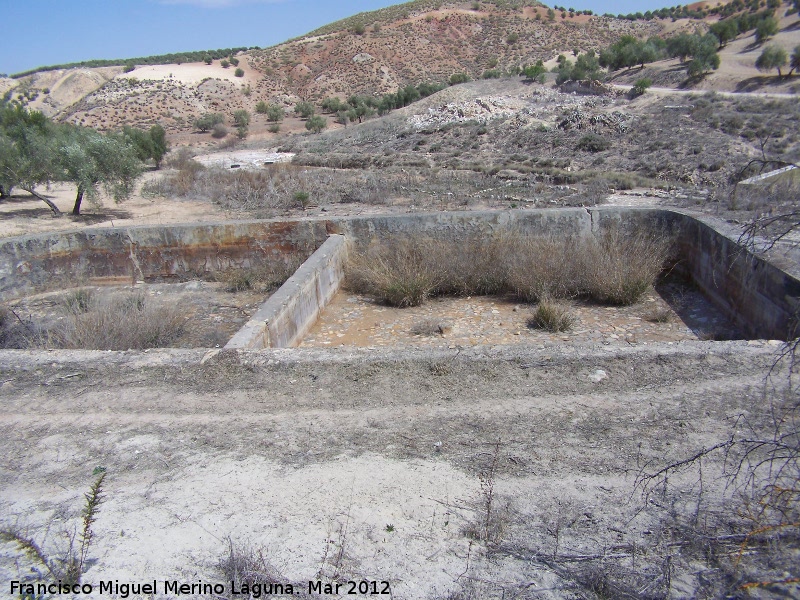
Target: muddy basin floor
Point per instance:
(670, 313)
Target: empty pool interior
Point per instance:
(754, 297)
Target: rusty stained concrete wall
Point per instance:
(37, 263)
(761, 299)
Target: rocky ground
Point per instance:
(357, 321)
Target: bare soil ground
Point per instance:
(358, 321)
(23, 214)
(361, 465)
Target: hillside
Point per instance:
(375, 53)
(405, 44)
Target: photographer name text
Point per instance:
(178, 588)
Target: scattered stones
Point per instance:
(597, 376)
(480, 110)
(354, 320)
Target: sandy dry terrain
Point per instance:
(189, 73)
(363, 465)
(23, 214)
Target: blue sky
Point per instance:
(46, 32)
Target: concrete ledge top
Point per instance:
(66, 361)
(88, 231)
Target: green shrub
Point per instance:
(241, 118)
(302, 198)
(457, 78)
(593, 143)
(239, 72)
(275, 113)
(208, 121)
(262, 107)
(641, 86)
(219, 131)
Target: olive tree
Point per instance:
(27, 154)
(794, 61)
(772, 57)
(304, 109)
(316, 123)
(151, 144)
(92, 160)
(765, 29)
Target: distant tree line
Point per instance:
(685, 12)
(698, 51)
(35, 151)
(159, 59)
(360, 107)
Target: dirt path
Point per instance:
(667, 91)
(355, 464)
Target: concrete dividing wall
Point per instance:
(284, 319)
(759, 297)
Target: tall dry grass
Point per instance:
(116, 322)
(615, 268)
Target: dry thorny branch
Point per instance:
(760, 464)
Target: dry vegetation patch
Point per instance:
(615, 268)
(115, 322)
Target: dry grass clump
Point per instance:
(400, 273)
(620, 268)
(546, 267)
(265, 277)
(430, 327)
(13, 333)
(614, 269)
(115, 322)
(660, 315)
(247, 566)
(551, 316)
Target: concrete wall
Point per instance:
(36, 263)
(284, 319)
(760, 298)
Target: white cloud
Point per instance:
(218, 3)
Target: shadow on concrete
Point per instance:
(696, 311)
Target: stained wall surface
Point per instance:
(762, 299)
